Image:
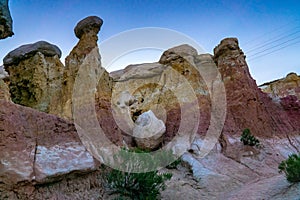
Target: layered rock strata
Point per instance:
(38, 152)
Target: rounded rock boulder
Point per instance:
(88, 24)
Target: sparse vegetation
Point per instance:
(174, 164)
(248, 139)
(291, 168)
(136, 186)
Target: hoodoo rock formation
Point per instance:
(247, 105)
(42, 155)
(86, 30)
(246, 108)
(5, 20)
(35, 74)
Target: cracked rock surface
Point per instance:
(36, 149)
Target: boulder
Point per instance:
(35, 76)
(26, 51)
(88, 24)
(148, 131)
(6, 20)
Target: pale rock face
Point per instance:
(125, 100)
(247, 176)
(61, 159)
(148, 131)
(290, 85)
(171, 88)
(3, 73)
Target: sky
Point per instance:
(260, 26)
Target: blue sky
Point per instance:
(254, 23)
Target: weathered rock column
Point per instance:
(5, 20)
(86, 30)
(35, 73)
(245, 104)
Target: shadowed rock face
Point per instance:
(5, 20)
(35, 74)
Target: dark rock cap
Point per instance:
(91, 23)
(28, 50)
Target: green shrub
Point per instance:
(248, 139)
(136, 186)
(291, 168)
(174, 164)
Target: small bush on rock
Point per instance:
(291, 168)
(174, 164)
(136, 186)
(248, 139)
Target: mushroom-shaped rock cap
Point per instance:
(92, 23)
(28, 50)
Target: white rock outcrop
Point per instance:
(148, 131)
